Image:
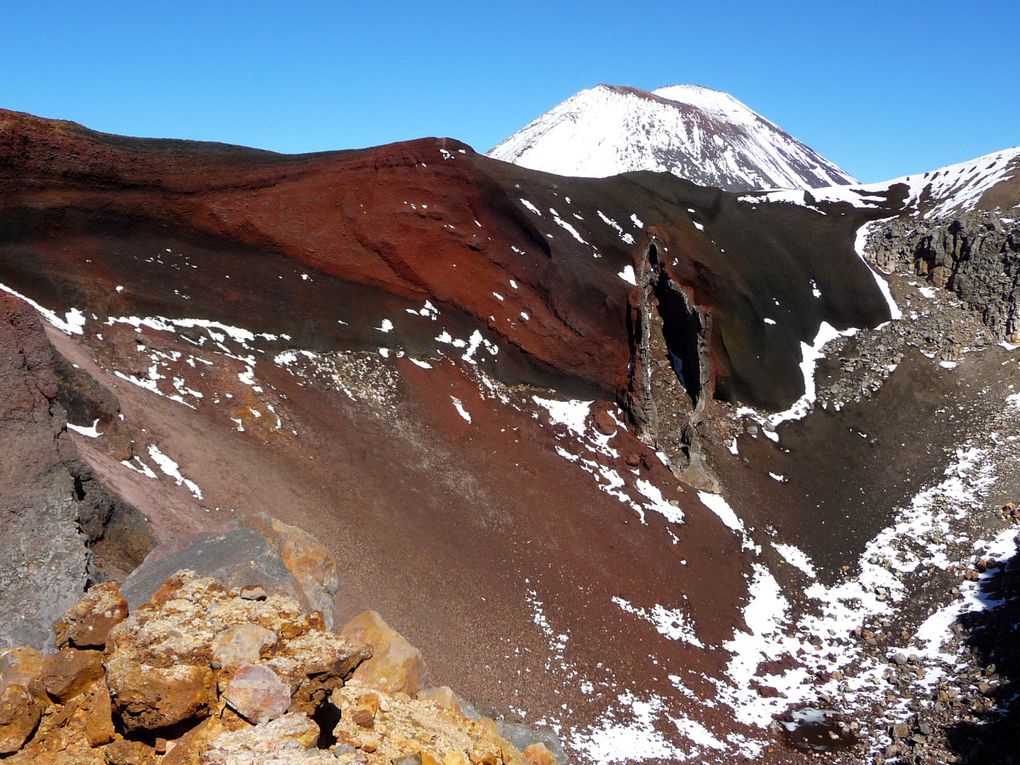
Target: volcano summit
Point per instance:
(698, 134)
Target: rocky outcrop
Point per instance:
(256, 551)
(205, 674)
(395, 666)
(52, 510)
(976, 256)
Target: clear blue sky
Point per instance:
(880, 88)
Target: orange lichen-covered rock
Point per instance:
(538, 754)
(248, 679)
(289, 740)
(68, 672)
(19, 714)
(21, 666)
(149, 697)
(396, 666)
(444, 696)
(194, 627)
(70, 732)
(87, 624)
(405, 727)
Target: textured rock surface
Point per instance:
(19, 714)
(256, 550)
(43, 558)
(87, 624)
(257, 693)
(52, 511)
(242, 644)
(68, 672)
(403, 726)
(976, 256)
(173, 692)
(290, 739)
(164, 650)
(396, 666)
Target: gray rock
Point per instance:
(974, 255)
(44, 561)
(256, 552)
(53, 511)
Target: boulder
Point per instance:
(97, 715)
(396, 666)
(242, 644)
(257, 551)
(124, 752)
(189, 748)
(257, 693)
(21, 666)
(148, 697)
(68, 672)
(544, 746)
(444, 696)
(193, 627)
(87, 624)
(539, 754)
(248, 679)
(290, 739)
(403, 727)
(53, 510)
(70, 732)
(19, 716)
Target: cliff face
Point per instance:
(975, 256)
(60, 528)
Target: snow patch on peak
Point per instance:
(696, 133)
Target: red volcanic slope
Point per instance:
(430, 219)
(377, 346)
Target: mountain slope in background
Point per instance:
(699, 134)
(989, 182)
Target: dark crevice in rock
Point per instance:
(326, 716)
(670, 374)
(149, 736)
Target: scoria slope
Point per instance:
(699, 134)
(575, 423)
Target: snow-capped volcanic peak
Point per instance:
(703, 135)
(713, 102)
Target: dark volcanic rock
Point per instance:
(51, 507)
(359, 219)
(976, 256)
(257, 551)
(44, 562)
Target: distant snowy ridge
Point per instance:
(937, 193)
(703, 135)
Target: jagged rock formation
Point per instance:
(698, 134)
(975, 256)
(60, 528)
(202, 673)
